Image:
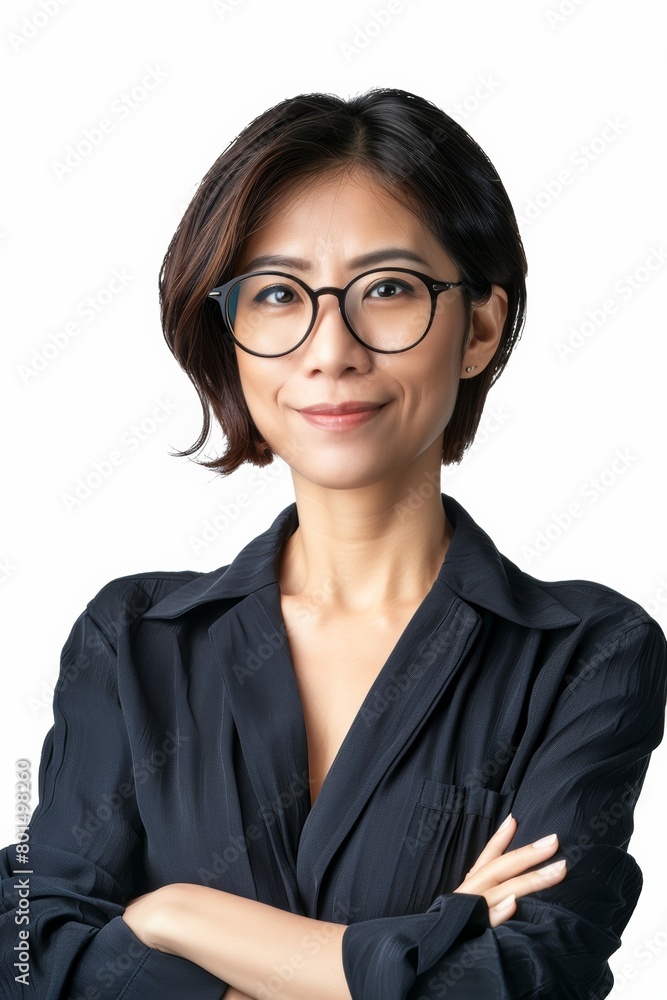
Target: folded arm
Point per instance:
(85, 841)
(258, 948)
(582, 783)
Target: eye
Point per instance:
(284, 295)
(389, 288)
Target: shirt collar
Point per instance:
(473, 568)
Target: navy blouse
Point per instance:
(178, 754)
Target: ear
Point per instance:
(483, 336)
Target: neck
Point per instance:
(362, 550)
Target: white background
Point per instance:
(536, 88)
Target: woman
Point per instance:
(324, 735)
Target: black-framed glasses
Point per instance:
(270, 313)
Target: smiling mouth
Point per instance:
(334, 411)
(342, 420)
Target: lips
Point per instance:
(328, 409)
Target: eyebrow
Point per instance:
(364, 260)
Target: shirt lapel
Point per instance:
(266, 705)
(397, 705)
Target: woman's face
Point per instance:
(326, 223)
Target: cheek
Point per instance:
(434, 386)
(434, 374)
(261, 403)
(256, 388)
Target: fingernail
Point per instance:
(553, 869)
(545, 840)
(504, 823)
(504, 904)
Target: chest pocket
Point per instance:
(449, 827)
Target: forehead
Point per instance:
(345, 212)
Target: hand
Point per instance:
(233, 994)
(496, 875)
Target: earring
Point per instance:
(469, 368)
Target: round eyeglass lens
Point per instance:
(389, 310)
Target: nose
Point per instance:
(330, 345)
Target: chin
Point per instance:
(343, 476)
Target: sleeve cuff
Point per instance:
(118, 963)
(382, 957)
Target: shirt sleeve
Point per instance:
(85, 849)
(582, 783)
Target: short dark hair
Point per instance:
(412, 148)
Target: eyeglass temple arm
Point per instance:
(441, 286)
